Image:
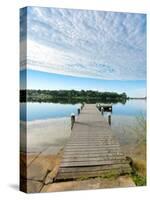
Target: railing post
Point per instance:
(109, 119)
(82, 105)
(97, 105)
(102, 110)
(78, 111)
(72, 120)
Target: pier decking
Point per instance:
(92, 150)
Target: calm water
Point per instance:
(124, 123)
(36, 111)
(39, 111)
(131, 108)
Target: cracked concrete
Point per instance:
(35, 167)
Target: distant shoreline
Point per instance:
(138, 98)
(74, 96)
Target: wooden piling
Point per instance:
(78, 111)
(98, 106)
(102, 110)
(72, 120)
(82, 106)
(109, 119)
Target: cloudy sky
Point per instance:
(104, 46)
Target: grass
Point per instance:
(138, 172)
(139, 180)
(140, 166)
(139, 160)
(106, 175)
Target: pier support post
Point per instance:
(82, 105)
(72, 120)
(78, 111)
(109, 119)
(98, 106)
(102, 110)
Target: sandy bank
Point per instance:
(41, 145)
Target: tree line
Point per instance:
(70, 95)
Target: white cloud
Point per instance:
(104, 45)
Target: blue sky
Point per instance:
(84, 49)
(50, 81)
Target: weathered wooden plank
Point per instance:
(94, 137)
(92, 163)
(91, 155)
(97, 143)
(88, 148)
(91, 168)
(83, 125)
(89, 138)
(97, 173)
(100, 158)
(93, 144)
(85, 175)
(89, 151)
(101, 135)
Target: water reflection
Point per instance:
(37, 111)
(124, 121)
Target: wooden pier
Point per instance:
(92, 150)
